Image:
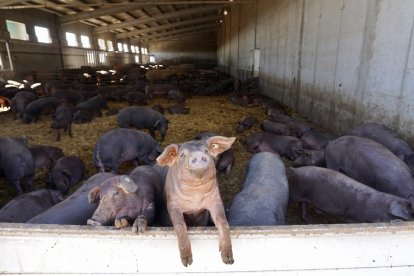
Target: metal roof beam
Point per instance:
(167, 26)
(157, 17)
(67, 19)
(9, 2)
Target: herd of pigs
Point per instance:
(365, 175)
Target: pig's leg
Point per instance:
(147, 217)
(303, 205)
(152, 132)
(70, 130)
(16, 186)
(180, 229)
(219, 218)
(57, 134)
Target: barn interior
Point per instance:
(333, 64)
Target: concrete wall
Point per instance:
(201, 49)
(337, 62)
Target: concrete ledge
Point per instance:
(361, 249)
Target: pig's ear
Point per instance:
(218, 144)
(93, 195)
(169, 156)
(399, 210)
(127, 184)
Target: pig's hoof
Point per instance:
(93, 223)
(227, 256)
(140, 224)
(186, 261)
(121, 223)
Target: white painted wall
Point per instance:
(352, 249)
(337, 62)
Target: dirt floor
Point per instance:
(214, 113)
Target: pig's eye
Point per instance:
(182, 155)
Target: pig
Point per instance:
(372, 164)
(298, 128)
(44, 156)
(75, 209)
(66, 172)
(246, 124)
(225, 160)
(316, 140)
(265, 192)
(192, 191)
(174, 95)
(178, 109)
(238, 99)
(126, 200)
(275, 127)
(156, 89)
(273, 108)
(84, 116)
(62, 119)
(143, 117)
(310, 158)
(120, 144)
(17, 164)
(287, 146)
(335, 193)
(41, 106)
(387, 138)
(51, 87)
(26, 206)
(136, 98)
(96, 102)
(282, 118)
(111, 112)
(69, 96)
(158, 107)
(20, 101)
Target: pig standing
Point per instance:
(264, 196)
(372, 164)
(75, 209)
(191, 189)
(45, 155)
(128, 199)
(143, 118)
(96, 102)
(41, 106)
(17, 164)
(62, 119)
(122, 144)
(84, 116)
(66, 172)
(20, 101)
(335, 193)
(287, 146)
(26, 206)
(225, 160)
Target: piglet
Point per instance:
(246, 124)
(62, 119)
(44, 156)
(191, 188)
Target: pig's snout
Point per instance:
(198, 160)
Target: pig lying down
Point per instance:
(191, 188)
(127, 199)
(335, 193)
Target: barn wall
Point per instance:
(337, 62)
(201, 49)
(29, 56)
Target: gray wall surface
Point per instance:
(337, 62)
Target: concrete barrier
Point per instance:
(360, 249)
